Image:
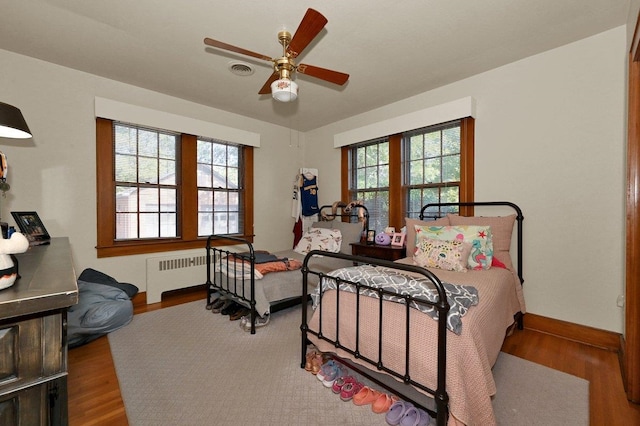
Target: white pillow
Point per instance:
(320, 239)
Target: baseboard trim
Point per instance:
(578, 333)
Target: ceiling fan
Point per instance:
(280, 83)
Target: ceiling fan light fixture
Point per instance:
(284, 90)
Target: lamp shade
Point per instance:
(12, 124)
(284, 90)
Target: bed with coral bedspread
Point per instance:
(406, 345)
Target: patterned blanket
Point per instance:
(460, 297)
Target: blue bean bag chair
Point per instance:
(104, 305)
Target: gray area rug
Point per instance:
(186, 366)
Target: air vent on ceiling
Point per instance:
(240, 68)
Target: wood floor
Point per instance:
(94, 393)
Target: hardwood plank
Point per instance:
(95, 399)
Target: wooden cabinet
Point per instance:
(33, 344)
(379, 252)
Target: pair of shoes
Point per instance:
(242, 312)
(383, 403)
(308, 365)
(217, 306)
(365, 396)
(212, 301)
(406, 414)
(260, 322)
(333, 375)
(231, 308)
(349, 390)
(316, 363)
(329, 372)
(339, 383)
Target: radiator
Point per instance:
(173, 273)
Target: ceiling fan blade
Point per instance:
(312, 23)
(220, 45)
(331, 76)
(266, 89)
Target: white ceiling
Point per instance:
(391, 49)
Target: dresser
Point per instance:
(33, 341)
(390, 253)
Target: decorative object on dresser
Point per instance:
(32, 227)
(33, 345)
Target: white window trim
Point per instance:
(461, 108)
(120, 111)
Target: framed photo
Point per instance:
(371, 236)
(397, 239)
(32, 228)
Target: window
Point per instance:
(160, 190)
(432, 166)
(395, 176)
(370, 177)
(219, 201)
(146, 187)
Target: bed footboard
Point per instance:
(230, 271)
(403, 387)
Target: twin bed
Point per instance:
(381, 318)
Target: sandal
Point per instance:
(383, 403)
(415, 417)
(366, 396)
(396, 412)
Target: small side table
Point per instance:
(390, 253)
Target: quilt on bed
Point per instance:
(470, 355)
(459, 297)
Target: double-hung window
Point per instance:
(396, 175)
(160, 190)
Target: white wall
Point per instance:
(54, 173)
(550, 136)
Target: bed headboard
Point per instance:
(436, 210)
(346, 212)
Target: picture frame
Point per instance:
(32, 227)
(397, 239)
(371, 236)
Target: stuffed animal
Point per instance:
(383, 239)
(18, 243)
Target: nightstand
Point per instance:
(390, 253)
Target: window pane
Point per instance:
(149, 225)
(416, 172)
(451, 141)
(168, 225)
(147, 143)
(167, 172)
(372, 155)
(126, 199)
(126, 168)
(149, 199)
(432, 146)
(204, 152)
(432, 170)
(205, 224)
(233, 156)
(147, 170)
(168, 200)
(451, 168)
(205, 201)
(126, 226)
(204, 176)
(219, 177)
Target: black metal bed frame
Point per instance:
(439, 394)
(235, 286)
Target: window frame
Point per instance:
(397, 189)
(108, 246)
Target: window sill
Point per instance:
(129, 248)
